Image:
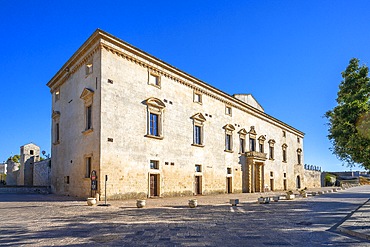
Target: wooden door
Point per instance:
(198, 185)
(229, 185)
(153, 185)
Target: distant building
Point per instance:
(155, 130)
(2, 172)
(31, 171)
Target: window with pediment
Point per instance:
(261, 144)
(198, 132)
(155, 109)
(229, 128)
(252, 139)
(242, 136)
(271, 149)
(284, 147)
(87, 96)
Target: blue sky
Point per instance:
(288, 54)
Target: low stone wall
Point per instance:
(312, 178)
(25, 189)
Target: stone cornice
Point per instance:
(101, 39)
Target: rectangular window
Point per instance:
(197, 97)
(197, 135)
(284, 155)
(252, 144)
(154, 164)
(298, 140)
(242, 145)
(57, 95)
(228, 145)
(271, 153)
(271, 174)
(198, 168)
(154, 80)
(228, 110)
(261, 148)
(88, 117)
(228, 170)
(299, 159)
(57, 132)
(89, 68)
(153, 128)
(88, 167)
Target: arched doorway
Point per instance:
(298, 182)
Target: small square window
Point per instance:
(166, 163)
(229, 170)
(172, 163)
(154, 80)
(298, 140)
(154, 164)
(31, 152)
(271, 174)
(89, 68)
(197, 98)
(198, 168)
(228, 110)
(57, 95)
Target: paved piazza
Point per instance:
(49, 220)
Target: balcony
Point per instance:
(256, 155)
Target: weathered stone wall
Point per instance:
(118, 143)
(12, 172)
(312, 179)
(41, 173)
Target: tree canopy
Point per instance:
(349, 121)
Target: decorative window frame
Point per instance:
(242, 137)
(261, 142)
(285, 154)
(155, 106)
(229, 128)
(271, 149)
(198, 121)
(252, 135)
(157, 83)
(87, 96)
(56, 127)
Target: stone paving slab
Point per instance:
(48, 220)
(358, 223)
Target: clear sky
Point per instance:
(289, 54)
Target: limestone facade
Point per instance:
(155, 130)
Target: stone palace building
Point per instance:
(154, 130)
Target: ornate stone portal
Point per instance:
(253, 175)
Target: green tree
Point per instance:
(15, 158)
(349, 121)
